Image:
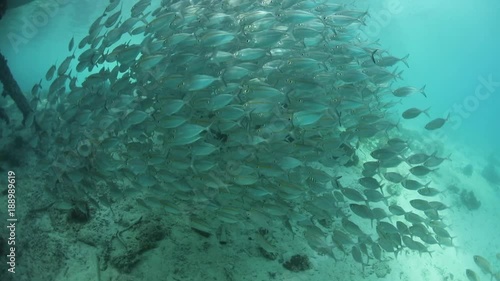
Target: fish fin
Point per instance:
(362, 21)
(448, 157)
(448, 116)
(399, 75)
(425, 111)
(422, 91)
(373, 56)
(405, 60)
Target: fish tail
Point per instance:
(399, 75)
(448, 157)
(405, 60)
(390, 217)
(422, 91)
(387, 204)
(426, 112)
(373, 56)
(362, 21)
(143, 18)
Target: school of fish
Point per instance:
(225, 112)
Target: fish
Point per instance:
(65, 65)
(112, 5)
(383, 154)
(112, 19)
(420, 204)
(419, 230)
(373, 195)
(434, 161)
(139, 7)
(414, 113)
(376, 251)
(379, 214)
(428, 191)
(250, 54)
(305, 118)
(415, 245)
(369, 182)
(420, 171)
(393, 177)
(71, 44)
(385, 228)
(50, 72)
(438, 206)
(406, 91)
(436, 123)
(413, 184)
(341, 238)
(353, 194)
(418, 158)
(471, 275)
(414, 218)
(482, 263)
(246, 110)
(351, 227)
(390, 61)
(356, 254)
(396, 210)
(441, 232)
(295, 16)
(362, 211)
(36, 88)
(217, 38)
(199, 82)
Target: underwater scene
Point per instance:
(239, 140)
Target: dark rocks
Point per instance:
(467, 170)
(80, 212)
(491, 174)
(298, 263)
(469, 200)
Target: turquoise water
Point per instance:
(452, 44)
(238, 203)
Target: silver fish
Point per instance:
(414, 112)
(406, 91)
(436, 123)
